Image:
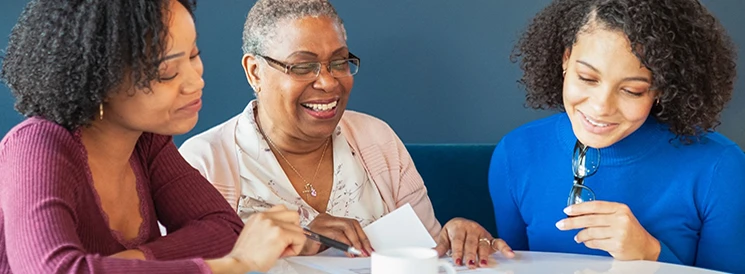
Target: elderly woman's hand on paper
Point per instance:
(348, 231)
(470, 244)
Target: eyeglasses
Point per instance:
(585, 162)
(308, 71)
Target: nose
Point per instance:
(193, 81)
(325, 80)
(603, 101)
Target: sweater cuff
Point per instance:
(147, 252)
(203, 267)
(667, 255)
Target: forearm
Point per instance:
(210, 238)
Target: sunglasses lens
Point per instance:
(580, 194)
(585, 160)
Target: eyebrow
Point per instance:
(635, 78)
(303, 52)
(172, 56)
(177, 55)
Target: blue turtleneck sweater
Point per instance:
(689, 197)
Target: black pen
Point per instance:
(331, 242)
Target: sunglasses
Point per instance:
(585, 162)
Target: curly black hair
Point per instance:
(690, 55)
(65, 57)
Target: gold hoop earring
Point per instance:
(100, 111)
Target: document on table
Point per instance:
(343, 265)
(400, 228)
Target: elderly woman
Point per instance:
(641, 85)
(86, 178)
(296, 145)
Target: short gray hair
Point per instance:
(265, 15)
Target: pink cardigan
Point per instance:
(215, 154)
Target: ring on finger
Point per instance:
(485, 241)
(492, 243)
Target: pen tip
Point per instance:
(354, 251)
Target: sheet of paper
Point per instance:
(400, 228)
(342, 265)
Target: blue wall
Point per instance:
(436, 70)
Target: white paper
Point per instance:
(343, 265)
(400, 228)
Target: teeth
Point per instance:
(596, 123)
(321, 107)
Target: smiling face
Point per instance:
(303, 109)
(607, 92)
(172, 103)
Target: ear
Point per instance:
(565, 59)
(251, 68)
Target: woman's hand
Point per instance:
(470, 243)
(348, 231)
(266, 237)
(611, 227)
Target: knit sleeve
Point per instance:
(510, 225)
(413, 191)
(199, 221)
(39, 173)
(720, 244)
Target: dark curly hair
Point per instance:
(690, 55)
(65, 57)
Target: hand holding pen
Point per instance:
(331, 242)
(266, 237)
(346, 231)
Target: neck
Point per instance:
(287, 143)
(109, 144)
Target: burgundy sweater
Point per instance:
(51, 219)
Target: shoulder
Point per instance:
(358, 120)
(210, 147)
(42, 155)
(35, 135)
(364, 131)
(717, 149)
(710, 148)
(210, 138)
(527, 135)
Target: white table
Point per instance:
(545, 262)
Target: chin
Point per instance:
(176, 127)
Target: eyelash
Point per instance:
(195, 55)
(163, 79)
(587, 80)
(635, 94)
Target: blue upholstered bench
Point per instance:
(456, 176)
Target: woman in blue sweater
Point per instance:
(640, 85)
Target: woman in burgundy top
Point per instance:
(85, 180)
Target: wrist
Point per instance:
(229, 265)
(653, 250)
